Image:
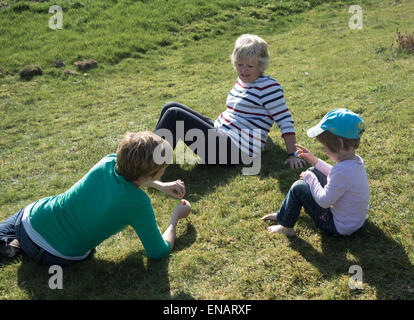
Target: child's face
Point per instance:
(331, 155)
(248, 69)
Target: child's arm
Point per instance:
(319, 164)
(323, 167)
(328, 195)
(305, 154)
(181, 211)
(159, 245)
(175, 189)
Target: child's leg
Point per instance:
(322, 217)
(289, 211)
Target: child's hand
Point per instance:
(175, 189)
(305, 154)
(182, 210)
(303, 174)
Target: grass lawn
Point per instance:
(55, 127)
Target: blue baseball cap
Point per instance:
(340, 122)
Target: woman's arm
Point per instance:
(293, 161)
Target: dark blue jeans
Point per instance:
(222, 145)
(12, 228)
(300, 196)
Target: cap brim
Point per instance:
(315, 131)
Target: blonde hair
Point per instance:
(251, 46)
(135, 155)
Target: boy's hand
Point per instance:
(182, 210)
(305, 154)
(175, 189)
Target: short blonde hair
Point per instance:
(135, 155)
(251, 46)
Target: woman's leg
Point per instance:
(170, 105)
(196, 131)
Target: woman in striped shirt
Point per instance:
(254, 103)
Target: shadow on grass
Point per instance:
(96, 278)
(384, 262)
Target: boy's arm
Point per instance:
(175, 189)
(158, 246)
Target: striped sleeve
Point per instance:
(274, 102)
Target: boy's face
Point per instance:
(248, 69)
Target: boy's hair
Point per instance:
(251, 46)
(135, 155)
(333, 143)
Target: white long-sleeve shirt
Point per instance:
(252, 108)
(346, 193)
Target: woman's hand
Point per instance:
(175, 189)
(294, 162)
(305, 154)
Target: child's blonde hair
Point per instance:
(135, 155)
(251, 46)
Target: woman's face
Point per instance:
(248, 69)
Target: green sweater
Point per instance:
(98, 206)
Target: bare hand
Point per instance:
(175, 189)
(182, 210)
(303, 174)
(305, 154)
(294, 162)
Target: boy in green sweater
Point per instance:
(65, 228)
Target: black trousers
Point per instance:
(213, 146)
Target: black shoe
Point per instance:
(11, 249)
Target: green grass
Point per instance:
(54, 128)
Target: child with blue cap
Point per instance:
(336, 197)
